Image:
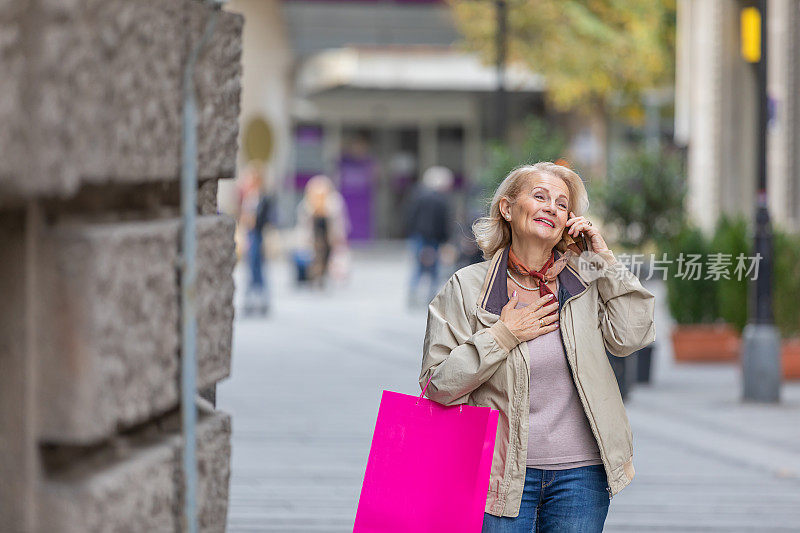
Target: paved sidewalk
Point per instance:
(307, 381)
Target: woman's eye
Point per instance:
(539, 196)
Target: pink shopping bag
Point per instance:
(428, 468)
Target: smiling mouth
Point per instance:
(545, 222)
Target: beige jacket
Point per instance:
(475, 359)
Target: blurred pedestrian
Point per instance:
(428, 226)
(526, 332)
(256, 212)
(322, 226)
(467, 249)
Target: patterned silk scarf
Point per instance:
(547, 273)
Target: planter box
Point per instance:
(706, 343)
(790, 359)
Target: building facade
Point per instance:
(371, 94)
(716, 105)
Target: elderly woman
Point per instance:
(526, 332)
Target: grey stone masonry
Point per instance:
(134, 486)
(92, 93)
(15, 441)
(91, 103)
(109, 294)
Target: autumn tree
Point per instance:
(591, 53)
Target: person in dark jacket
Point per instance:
(428, 224)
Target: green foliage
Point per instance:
(786, 283)
(731, 237)
(642, 197)
(690, 301)
(586, 50)
(702, 301)
(542, 143)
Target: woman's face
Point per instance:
(541, 210)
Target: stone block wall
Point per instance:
(90, 343)
(100, 82)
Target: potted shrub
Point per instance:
(731, 237)
(785, 308)
(790, 358)
(641, 199)
(700, 335)
(713, 314)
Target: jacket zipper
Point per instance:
(585, 404)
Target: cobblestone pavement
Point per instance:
(307, 381)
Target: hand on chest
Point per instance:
(527, 297)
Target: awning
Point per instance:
(407, 68)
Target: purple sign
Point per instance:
(308, 135)
(300, 180)
(357, 176)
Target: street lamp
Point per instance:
(501, 9)
(761, 369)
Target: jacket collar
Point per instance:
(494, 293)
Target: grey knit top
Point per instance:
(559, 435)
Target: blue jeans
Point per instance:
(575, 500)
(426, 262)
(255, 260)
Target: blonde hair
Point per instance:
(493, 232)
(318, 188)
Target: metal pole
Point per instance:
(30, 465)
(188, 280)
(761, 368)
(763, 234)
(500, 95)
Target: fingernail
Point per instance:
(549, 295)
(514, 295)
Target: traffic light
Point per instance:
(751, 34)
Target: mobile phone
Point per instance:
(580, 241)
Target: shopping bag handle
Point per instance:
(460, 407)
(425, 388)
